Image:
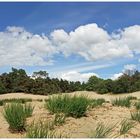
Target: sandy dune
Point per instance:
(76, 128)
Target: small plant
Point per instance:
(59, 119)
(121, 102)
(40, 130)
(1, 103)
(28, 109)
(126, 126)
(102, 131)
(19, 100)
(96, 102)
(39, 100)
(137, 105)
(136, 116)
(15, 116)
(75, 106)
(131, 98)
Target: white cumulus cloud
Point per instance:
(19, 47)
(75, 76)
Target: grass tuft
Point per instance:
(96, 102)
(125, 126)
(15, 114)
(40, 130)
(28, 109)
(137, 105)
(135, 116)
(75, 106)
(102, 131)
(124, 102)
(59, 119)
(1, 102)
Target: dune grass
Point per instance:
(74, 106)
(40, 130)
(28, 109)
(124, 102)
(102, 131)
(15, 114)
(135, 116)
(96, 102)
(59, 119)
(137, 105)
(1, 102)
(17, 100)
(126, 125)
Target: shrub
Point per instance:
(28, 109)
(102, 131)
(40, 130)
(125, 126)
(135, 116)
(15, 116)
(121, 102)
(59, 119)
(1, 103)
(75, 106)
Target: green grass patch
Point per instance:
(59, 119)
(40, 130)
(74, 106)
(96, 102)
(1, 102)
(126, 126)
(137, 105)
(135, 116)
(28, 109)
(102, 131)
(15, 114)
(17, 100)
(124, 102)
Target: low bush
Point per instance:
(75, 106)
(135, 116)
(121, 102)
(15, 114)
(126, 126)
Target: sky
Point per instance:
(70, 40)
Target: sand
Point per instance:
(76, 128)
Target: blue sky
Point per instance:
(61, 38)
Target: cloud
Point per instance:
(130, 67)
(19, 47)
(91, 42)
(75, 76)
(126, 67)
(116, 76)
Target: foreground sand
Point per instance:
(76, 128)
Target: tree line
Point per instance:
(40, 83)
